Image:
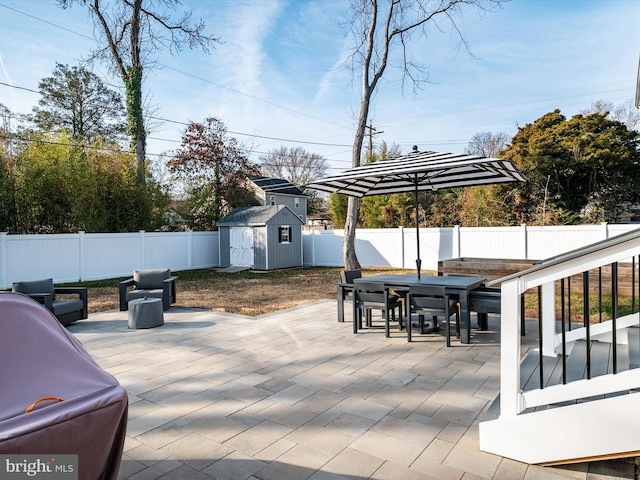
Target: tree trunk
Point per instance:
(349, 247)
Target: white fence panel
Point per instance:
(109, 255)
(205, 250)
(168, 248)
(322, 248)
(379, 247)
(492, 242)
(93, 256)
(546, 242)
(32, 257)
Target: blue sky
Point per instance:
(279, 73)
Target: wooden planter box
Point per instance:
(490, 268)
(494, 268)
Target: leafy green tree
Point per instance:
(587, 163)
(75, 100)
(215, 168)
(61, 187)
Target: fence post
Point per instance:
(81, 256)
(141, 249)
(401, 228)
(3, 259)
(525, 240)
(604, 226)
(190, 249)
(456, 248)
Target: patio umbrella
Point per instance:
(419, 171)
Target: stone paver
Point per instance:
(296, 395)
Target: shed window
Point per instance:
(272, 199)
(284, 234)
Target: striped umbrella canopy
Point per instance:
(419, 171)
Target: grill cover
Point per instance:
(40, 358)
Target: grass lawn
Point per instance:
(248, 292)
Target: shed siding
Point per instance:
(285, 255)
(260, 248)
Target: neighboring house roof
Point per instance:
(276, 185)
(255, 216)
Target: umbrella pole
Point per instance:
(418, 260)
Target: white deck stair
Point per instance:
(591, 414)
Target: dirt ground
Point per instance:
(249, 293)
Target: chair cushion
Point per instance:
(152, 293)
(34, 286)
(150, 279)
(67, 306)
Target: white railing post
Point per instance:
(510, 349)
(548, 319)
(604, 226)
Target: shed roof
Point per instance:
(276, 185)
(256, 216)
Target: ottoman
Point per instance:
(145, 313)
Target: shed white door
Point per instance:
(241, 245)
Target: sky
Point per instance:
(279, 76)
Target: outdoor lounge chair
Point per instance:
(157, 283)
(43, 291)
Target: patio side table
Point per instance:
(145, 313)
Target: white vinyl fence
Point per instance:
(92, 256)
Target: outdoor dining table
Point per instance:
(458, 285)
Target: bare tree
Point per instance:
(129, 31)
(487, 144)
(294, 164)
(624, 113)
(382, 36)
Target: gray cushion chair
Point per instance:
(66, 311)
(153, 283)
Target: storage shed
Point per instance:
(262, 238)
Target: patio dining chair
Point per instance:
(369, 296)
(344, 289)
(431, 301)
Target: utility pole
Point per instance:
(371, 132)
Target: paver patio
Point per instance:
(296, 395)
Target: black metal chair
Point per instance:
(431, 301)
(369, 296)
(344, 289)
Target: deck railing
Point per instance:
(562, 289)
